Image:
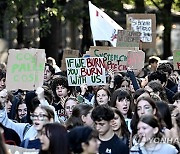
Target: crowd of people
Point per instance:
(135, 112)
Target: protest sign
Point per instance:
(176, 59)
(68, 53)
(127, 38)
(12, 149)
(115, 58)
(25, 69)
(136, 60)
(90, 71)
(146, 24)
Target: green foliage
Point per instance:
(176, 5)
(75, 10)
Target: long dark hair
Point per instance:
(124, 132)
(121, 94)
(57, 135)
(135, 118)
(165, 113)
(77, 112)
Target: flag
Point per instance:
(102, 26)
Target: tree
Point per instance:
(165, 6)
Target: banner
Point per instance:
(146, 25)
(102, 26)
(25, 69)
(90, 71)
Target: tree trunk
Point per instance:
(139, 5)
(51, 42)
(3, 6)
(86, 40)
(167, 22)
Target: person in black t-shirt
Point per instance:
(110, 143)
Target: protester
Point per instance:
(61, 91)
(52, 62)
(155, 88)
(175, 131)
(144, 106)
(176, 100)
(110, 143)
(81, 116)
(102, 96)
(54, 139)
(150, 139)
(165, 113)
(69, 104)
(22, 129)
(83, 140)
(119, 126)
(3, 149)
(2, 79)
(122, 100)
(21, 110)
(85, 94)
(49, 71)
(41, 116)
(10, 136)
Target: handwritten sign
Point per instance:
(136, 59)
(19, 150)
(146, 25)
(115, 58)
(68, 53)
(127, 38)
(25, 69)
(118, 58)
(89, 70)
(176, 59)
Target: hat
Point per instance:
(77, 136)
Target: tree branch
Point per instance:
(156, 5)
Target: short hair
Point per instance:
(50, 68)
(139, 92)
(79, 135)
(63, 81)
(157, 87)
(49, 110)
(158, 75)
(165, 67)
(102, 112)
